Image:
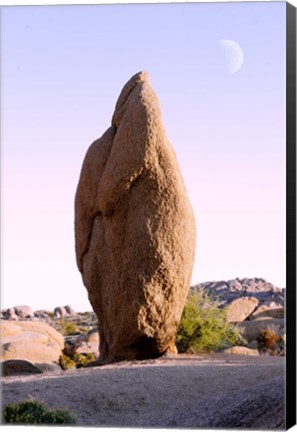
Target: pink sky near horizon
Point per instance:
(60, 85)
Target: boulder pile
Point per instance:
(63, 311)
(18, 313)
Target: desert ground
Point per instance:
(182, 391)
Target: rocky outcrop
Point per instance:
(227, 291)
(134, 230)
(60, 312)
(64, 311)
(19, 313)
(34, 341)
(69, 310)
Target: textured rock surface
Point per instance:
(240, 309)
(34, 341)
(135, 231)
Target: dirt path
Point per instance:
(192, 392)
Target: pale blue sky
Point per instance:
(62, 70)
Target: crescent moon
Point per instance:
(233, 55)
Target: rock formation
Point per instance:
(33, 341)
(134, 230)
(227, 291)
(19, 312)
(240, 309)
(60, 312)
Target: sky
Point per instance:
(62, 70)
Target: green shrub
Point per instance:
(270, 342)
(203, 326)
(32, 412)
(66, 362)
(83, 359)
(75, 360)
(67, 328)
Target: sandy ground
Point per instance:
(211, 391)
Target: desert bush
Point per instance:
(83, 359)
(32, 412)
(66, 328)
(270, 342)
(75, 360)
(66, 362)
(203, 326)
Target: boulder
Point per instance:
(18, 367)
(253, 328)
(69, 311)
(266, 311)
(34, 341)
(238, 310)
(24, 312)
(60, 312)
(11, 314)
(134, 230)
(19, 312)
(41, 314)
(241, 350)
(82, 344)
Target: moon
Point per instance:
(233, 55)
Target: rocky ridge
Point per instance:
(227, 291)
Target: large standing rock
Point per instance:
(135, 231)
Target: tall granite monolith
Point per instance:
(134, 230)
